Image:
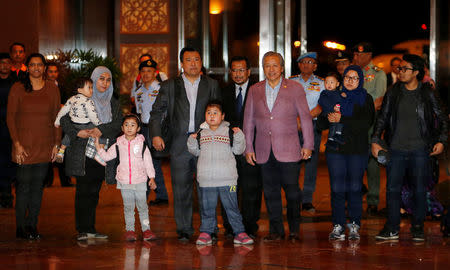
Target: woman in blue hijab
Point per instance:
(79, 156)
(347, 163)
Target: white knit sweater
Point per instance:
(216, 165)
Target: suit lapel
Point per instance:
(179, 84)
(201, 95)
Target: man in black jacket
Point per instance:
(415, 128)
(249, 181)
(184, 100)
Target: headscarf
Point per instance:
(355, 96)
(102, 100)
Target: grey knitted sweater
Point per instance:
(216, 165)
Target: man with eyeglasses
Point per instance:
(249, 182)
(392, 77)
(375, 84)
(415, 128)
(313, 86)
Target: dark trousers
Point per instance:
(417, 164)
(249, 193)
(277, 175)
(161, 191)
(346, 177)
(29, 186)
(309, 181)
(183, 168)
(86, 196)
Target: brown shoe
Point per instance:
(273, 237)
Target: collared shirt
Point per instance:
(313, 87)
(191, 93)
(144, 99)
(271, 94)
(244, 90)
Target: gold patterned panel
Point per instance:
(144, 16)
(192, 18)
(129, 61)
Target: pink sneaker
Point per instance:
(130, 236)
(243, 239)
(149, 235)
(204, 239)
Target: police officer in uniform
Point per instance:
(313, 86)
(144, 97)
(375, 84)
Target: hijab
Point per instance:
(102, 101)
(355, 96)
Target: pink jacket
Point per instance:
(276, 130)
(132, 169)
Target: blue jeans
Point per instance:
(309, 181)
(228, 198)
(417, 164)
(346, 177)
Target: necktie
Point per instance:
(239, 102)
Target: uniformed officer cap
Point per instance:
(148, 63)
(312, 55)
(4, 55)
(363, 47)
(342, 56)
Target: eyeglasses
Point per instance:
(354, 79)
(242, 70)
(307, 62)
(36, 64)
(404, 69)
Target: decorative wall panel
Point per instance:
(129, 61)
(144, 16)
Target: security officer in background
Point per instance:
(342, 62)
(144, 97)
(375, 84)
(313, 86)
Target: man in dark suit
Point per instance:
(183, 99)
(249, 181)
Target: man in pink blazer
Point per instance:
(270, 128)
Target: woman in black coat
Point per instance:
(88, 172)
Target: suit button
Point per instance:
(271, 117)
(270, 132)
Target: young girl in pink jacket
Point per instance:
(135, 165)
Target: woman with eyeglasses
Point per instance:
(33, 104)
(347, 162)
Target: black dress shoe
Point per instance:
(21, 233)
(273, 237)
(33, 234)
(229, 234)
(294, 237)
(183, 237)
(158, 202)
